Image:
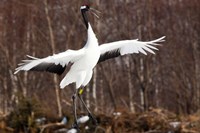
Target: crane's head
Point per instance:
(84, 9)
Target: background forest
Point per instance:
(169, 80)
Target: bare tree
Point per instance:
(135, 82)
(52, 42)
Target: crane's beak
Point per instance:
(94, 11)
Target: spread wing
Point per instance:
(115, 49)
(54, 64)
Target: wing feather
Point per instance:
(55, 63)
(114, 49)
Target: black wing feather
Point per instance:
(109, 55)
(49, 67)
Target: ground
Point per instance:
(153, 121)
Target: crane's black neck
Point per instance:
(85, 18)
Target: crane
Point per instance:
(85, 59)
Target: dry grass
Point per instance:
(153, 121)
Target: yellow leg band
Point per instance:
(80, 91)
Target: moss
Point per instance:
(22, 118)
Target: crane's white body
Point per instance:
(81, 71)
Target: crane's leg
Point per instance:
(75, 125)
(80, 92)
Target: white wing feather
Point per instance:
(131, 46)
(62, 58)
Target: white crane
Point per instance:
(85, 59)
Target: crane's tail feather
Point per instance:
(67, 80)
(73, 76)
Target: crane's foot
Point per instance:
(94, 120)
